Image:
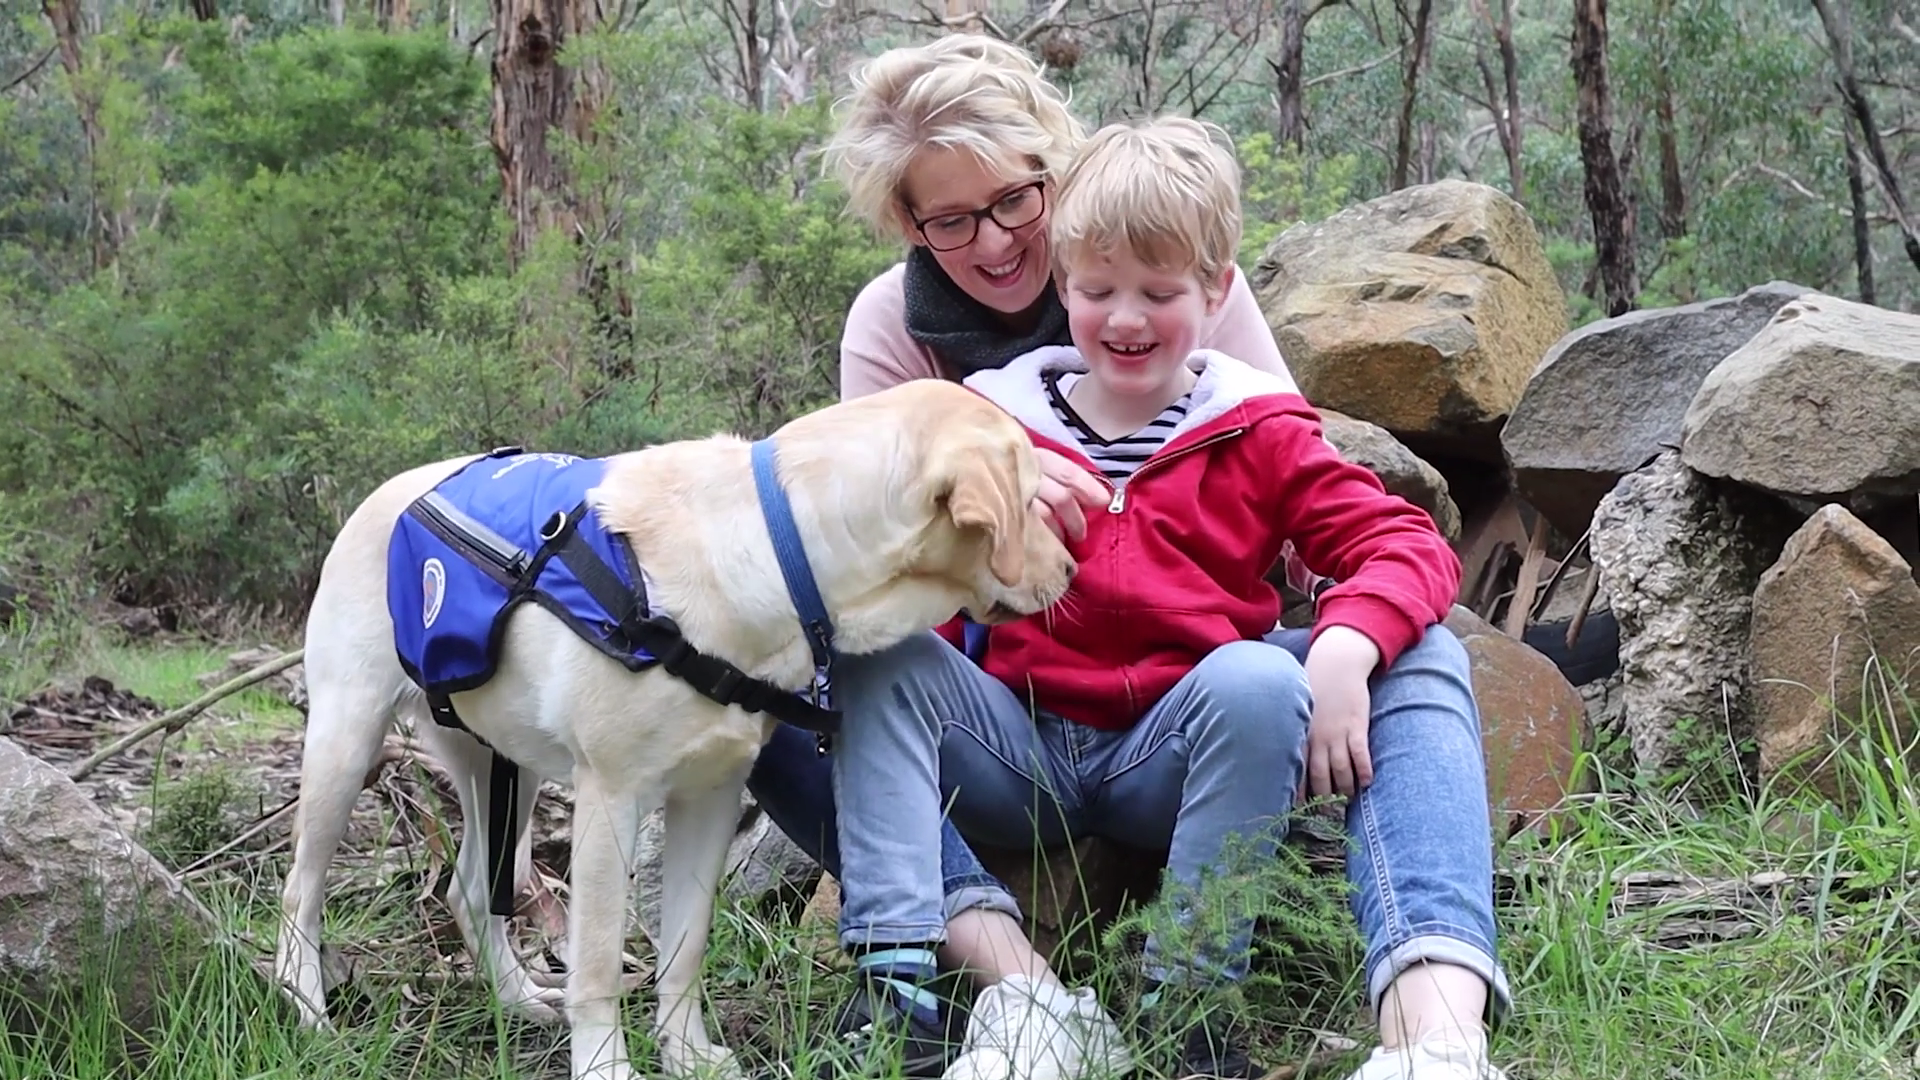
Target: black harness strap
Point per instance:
(659, 635)
(503, 808)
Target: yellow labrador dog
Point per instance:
(910, 505)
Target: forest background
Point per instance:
(256, 255)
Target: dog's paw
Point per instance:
(539, 1004)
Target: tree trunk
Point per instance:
(393, 14)
(742, 20)
(1287, 74)
(1605, 193)
(1862, 227)
(1673, 187)
(68, 28)
(1410, 91)
(1838, 22)
(1503, 100)
(205, 10)
(1510, 64)
(534, 96)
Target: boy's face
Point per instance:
(1135, 324)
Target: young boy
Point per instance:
(1157, 705)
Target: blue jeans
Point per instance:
(1220, 756)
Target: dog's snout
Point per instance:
(1072, 568)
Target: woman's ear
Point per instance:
(904, 217)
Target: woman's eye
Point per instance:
(949, 224)
(1013, 201)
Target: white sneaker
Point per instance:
(1436, 1057)
(1022, 1029)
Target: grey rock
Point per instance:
(1400, 470)
(1679, 557)
(1823, 402)
(79, 900)
(1609, 396)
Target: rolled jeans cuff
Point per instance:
(979, 891)
(1437, 946)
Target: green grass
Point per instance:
(170, 677)
(1759, 937)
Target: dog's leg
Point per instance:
(606, 826)
(699, 827)
(469, 894)
(346, 719)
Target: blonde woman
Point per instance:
(958, 148)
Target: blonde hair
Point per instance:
(1167, 189)
(966, 91)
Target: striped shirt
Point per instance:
(1116, 458)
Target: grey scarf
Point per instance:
(966, 335)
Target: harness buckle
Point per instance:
(727, 684)
(554, 525)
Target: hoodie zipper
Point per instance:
(1118, 502)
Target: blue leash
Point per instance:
(792, 554)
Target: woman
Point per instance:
(952, 147)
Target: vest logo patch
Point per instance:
(433, 589)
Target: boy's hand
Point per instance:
(1064, 488)
(1338, 665)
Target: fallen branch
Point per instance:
(175, 720)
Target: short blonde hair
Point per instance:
(966, 91)
(1167, 189)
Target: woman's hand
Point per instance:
(1065, 487)
(1338, 665)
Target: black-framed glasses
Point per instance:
(1014, 210)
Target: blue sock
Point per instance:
(905, 970)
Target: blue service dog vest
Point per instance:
(515, 527)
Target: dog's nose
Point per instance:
(1072, 568)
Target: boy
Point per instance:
(1156, 705)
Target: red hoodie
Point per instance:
(1167, 576)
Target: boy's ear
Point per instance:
(1217, 291)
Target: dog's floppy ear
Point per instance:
(986, 495)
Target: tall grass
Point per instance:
(1771, 934)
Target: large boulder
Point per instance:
(1823, 402)
(1836, 648)
(1422, 311)
(80, 901)
(1611, 395)
(1679, 557)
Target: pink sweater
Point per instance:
(877, 352)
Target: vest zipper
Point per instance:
(1119, 501)
(473, 539)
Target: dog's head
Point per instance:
(975, 483)
(930, 488)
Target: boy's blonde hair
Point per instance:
(1167, 191)
(968, 91)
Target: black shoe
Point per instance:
(882, 1024)
(1212, 1043)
